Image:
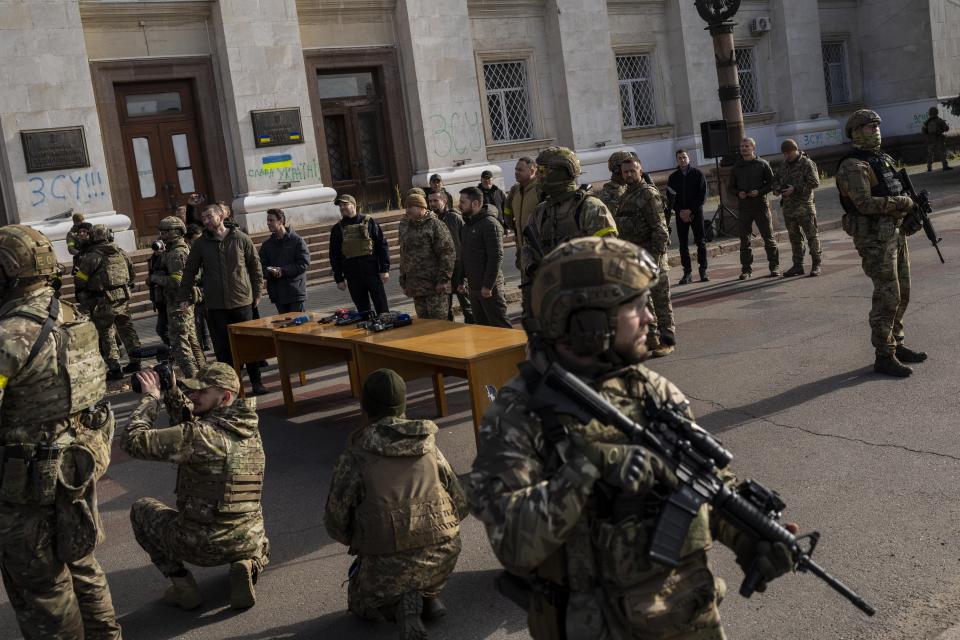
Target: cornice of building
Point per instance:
(632, 7)
(505, 8)
(96, 12)
(316, 11)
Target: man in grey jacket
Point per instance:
(481, 256)
(232, 282)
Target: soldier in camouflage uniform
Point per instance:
(570, 506)
(181, 325)
(566, 212)
(875, 205)
(427, 258)
(53, 421)
(613, 190)
(103, 280)
(642, 221)
(392, 469)
(214, 438)
(935, 129)
(795, 181)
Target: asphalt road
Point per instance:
(779, 369)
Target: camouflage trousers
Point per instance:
(435, 307)
(171, 542)
(114, 320)
(52, 600)
(937, 152)
(888, 266)
(661, 308)
(377, 586)
(182, 332)
(801, 223)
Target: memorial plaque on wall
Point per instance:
(53, 149)
(274, 127)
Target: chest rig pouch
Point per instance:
(357, 242)
(885, 183)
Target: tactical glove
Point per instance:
(902, 206)
(771, 560)
(625, 466)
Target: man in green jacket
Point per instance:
(232, 282)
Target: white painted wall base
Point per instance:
(303, 206)
(56, 231)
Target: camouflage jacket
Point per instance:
(878, 216)
(537, 498)
(388, 436)
(802, 175)
(427, 255)
(172, 262)
(199, 443)
(94, 272)
(610, 195)
(559, 219)
(935, 128)
(641, 219)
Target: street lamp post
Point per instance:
(717, 14)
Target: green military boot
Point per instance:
(889, 365)
(408, 612)
(183, 593)
(795, 270)
(433, 608)
(906, 354)
(815, 269)
(242, 579)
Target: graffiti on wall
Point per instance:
(820, 139)
(79, 187)
(456, 134)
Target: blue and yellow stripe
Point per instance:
(277, 162)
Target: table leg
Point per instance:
(495, 371)
(285, 378)
(440, 394)
(353, 372)
(235, 356)
(303, 378)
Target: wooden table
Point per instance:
(252, 341)
(434, 348)
(312, 345)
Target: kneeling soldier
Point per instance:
(393, 472)
(216, 443)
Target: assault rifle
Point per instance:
(336, 315)
(696, 458)
(353, 317)
(919, 216)
(387, 320)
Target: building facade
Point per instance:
(121, 109)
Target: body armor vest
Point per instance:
(357, 242)
(209, 490)
(560, 222)
(886, 174)
(113, 277)
(405, 506)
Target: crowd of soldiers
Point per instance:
(569, 504)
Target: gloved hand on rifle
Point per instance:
(625, 466)
(903, 206)
(771, 560)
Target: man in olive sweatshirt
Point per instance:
(750, 181)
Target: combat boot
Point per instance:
(408, 612)
(815, 269)
(745, 274)
(703, 275)
(774, 272)
(795, 270)
(906, 354)
(242, 579)
(686, 279)
(183, 593)
(889, 365)
(433, 608)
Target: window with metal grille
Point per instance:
(637, 105)
(747, 75)
(835, 72)
(508, 102)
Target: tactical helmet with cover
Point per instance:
(559, 158)
(172, 227)
(617, 158)
(101, 233)
(25, 255)
(933, 111)
(580, 286)
(859, 118)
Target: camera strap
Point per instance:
(53, 312)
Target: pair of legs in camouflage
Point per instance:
(802, 229)
(182, 331)
(937, 152)
(888, 266)
(52, 600)
(114, 320)
(435, 307)
(748, 216)
(663, 329)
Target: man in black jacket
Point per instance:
(359, 256)
(690, 191)
(449, 216)
(481, 257)
(492, 194)
(750, 181)
(285, 259)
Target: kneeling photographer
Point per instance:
(215, 440)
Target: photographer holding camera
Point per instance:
(215, 441)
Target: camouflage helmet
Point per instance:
(559, 158)
(584, 275)
(25, 253)
(616, 159)
(101, 233)
(859, 118)
(173, 223)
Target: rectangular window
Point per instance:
(637, 105)
(508, 100)
(747, 75)
(835, 72)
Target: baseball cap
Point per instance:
(436, 177)
(345, 197)
(216, 374)
(486, 174)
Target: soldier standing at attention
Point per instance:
(427, 257)
(641, 220)
(359, 256)
(572, 506)
(103, 280)
(751, 180)
(181, 326)
(796, 179)
(53, 421)
(215, 441)
(935, 129)
(392, 471)
(872, 197)
(451, 217)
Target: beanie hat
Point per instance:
(384, 394)
(789, 145)
(415, 199)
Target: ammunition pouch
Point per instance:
(78, 520)
(118, 293)
(29, 473)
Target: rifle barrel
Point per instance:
(806, 563)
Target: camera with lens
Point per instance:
(158, 246)
(164, 368)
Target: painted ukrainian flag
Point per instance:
(277, 162)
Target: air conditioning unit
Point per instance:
(760, 25)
